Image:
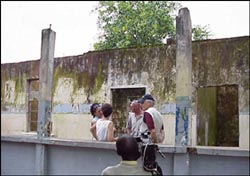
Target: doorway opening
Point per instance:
(32, 103)
(121, 99)
(218, 116)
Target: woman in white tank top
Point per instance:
(104, 126)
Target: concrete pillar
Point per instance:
(183, 87)
(45, 81)
(45, 97)
(181, 164)
(183, 76)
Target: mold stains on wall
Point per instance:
(81, 80)
(87, 73)
(9, 95)
(63, 91)
(18, 73)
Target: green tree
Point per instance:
(201, 33)
(126, 24)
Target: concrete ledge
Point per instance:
(201, 150)
(57, 141)
(220, 151)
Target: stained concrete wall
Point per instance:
(13, 124)
(75, 126)
(81, 80)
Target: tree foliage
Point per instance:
(126, 24)
(201, 33)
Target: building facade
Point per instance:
(220, 90)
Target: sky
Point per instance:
(76, 27)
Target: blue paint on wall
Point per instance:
(186, 124)
(168, 108)
(177, 120)
(72, 108)
(85, 108)
(181, 128)
(13, 109)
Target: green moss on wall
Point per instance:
(214, 62)
(210, 101)
(86, 73)
(19, 85)
(3, 92)
(80, 79)
(207, 116)
(99, 79)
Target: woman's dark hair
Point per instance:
(93, 108)
(107, 109)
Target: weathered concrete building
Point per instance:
(201, 88)
(220, 90)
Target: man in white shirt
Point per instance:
(152, 119)
(135, 119)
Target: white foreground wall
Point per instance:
(74, 157)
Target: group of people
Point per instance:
(144, 117)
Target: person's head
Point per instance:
(107, 109)
(135, 107)
(147, 101)
(127, 148)
(95, 110)
(140, 101)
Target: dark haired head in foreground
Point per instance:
(127, 148)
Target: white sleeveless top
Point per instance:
(102, 129)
